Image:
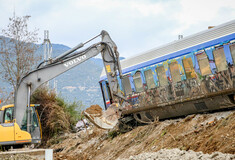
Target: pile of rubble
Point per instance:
(213, 134)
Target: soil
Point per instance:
(94, 109)
(202, 133)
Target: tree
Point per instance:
(17, 50)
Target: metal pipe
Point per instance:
(69, 51)
(28, 109)
(91, 39)
(74, 48)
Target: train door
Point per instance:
(106, 94)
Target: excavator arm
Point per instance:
(63, 63)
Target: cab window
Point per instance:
(149, 79)
(188, 67)
(127, 85)
(8, 115)
(138, 82)
(175, 72)
(220, 59)
(162, 76)
(203, 63)
(34, 120)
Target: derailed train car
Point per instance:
(191, 75)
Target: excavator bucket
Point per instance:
(102, 119)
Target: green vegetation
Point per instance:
(113, 134)
(57, 117)
(72, 109)
(163, 133)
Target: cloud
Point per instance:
(139, 7)
(202, 11)
(135, 25)
(127, 21)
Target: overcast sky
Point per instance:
(135, 25)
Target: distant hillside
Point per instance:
(81, 82)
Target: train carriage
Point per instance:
(191, 75)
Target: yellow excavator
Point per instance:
(20, 123)
(10, 131)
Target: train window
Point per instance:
(175, 72)
(105, 92)
(188, 67)
(162, 76)
(203, 63)
(108, 88)
(138, 82)
(220, 59)
(127, 85)
(149, 79)
(232, 51)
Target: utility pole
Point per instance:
(47, 46)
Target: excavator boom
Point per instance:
(61, 64)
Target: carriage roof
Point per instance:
(177, 48)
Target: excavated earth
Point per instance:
(94, 109)
(202, 136)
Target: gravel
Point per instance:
(17, 157)
(177, 154)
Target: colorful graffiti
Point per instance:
(193, 75)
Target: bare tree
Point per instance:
(17, 50)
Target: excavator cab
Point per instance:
(12, 134)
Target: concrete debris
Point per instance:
(82, 125)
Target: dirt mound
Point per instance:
(94, 109)
(204, 132)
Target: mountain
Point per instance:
(79, 83)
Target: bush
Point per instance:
(56, 116)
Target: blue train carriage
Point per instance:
(191, 75)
